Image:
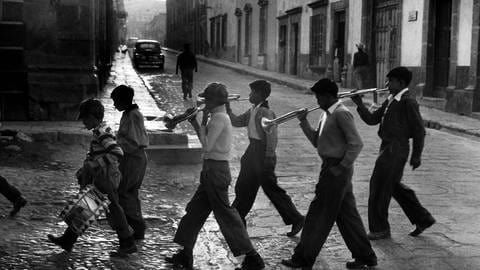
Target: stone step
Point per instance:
(175, 154)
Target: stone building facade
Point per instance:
(438, 40)
(55, 54)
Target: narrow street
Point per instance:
(446, 183)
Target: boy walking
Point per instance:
(133, 139)
(257, 165)
(187, 62)
(338, 145)
(13, 195)
(215, 134)
(400, 120)
(100, 168)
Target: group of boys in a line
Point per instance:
(338, 144)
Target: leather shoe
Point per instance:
(181, 258)
(296, 227)
(296, 264)
(422, 227)
(252, 262)
(379, 235)
(21, 202)
(361, 264)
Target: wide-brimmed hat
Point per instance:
(216, 92)
(360, 46)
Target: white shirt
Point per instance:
(216, 137)
(252, 127)
(323, 117)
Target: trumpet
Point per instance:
(268, 124)
(231, 97)
(172, 121)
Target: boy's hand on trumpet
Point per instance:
(357, 99)
(302, 115)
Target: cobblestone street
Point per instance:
(446, 184)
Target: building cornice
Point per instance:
(262, 3)
(294, 11)
(317, 4)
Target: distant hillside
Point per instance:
(148, 6)
(140, 13)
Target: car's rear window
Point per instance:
(148, 46)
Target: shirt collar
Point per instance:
(218, 109)
(334, 106)
(398, 96)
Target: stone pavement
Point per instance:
(446, 184)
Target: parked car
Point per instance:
(148, 53)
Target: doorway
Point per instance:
(294, 47)
(438, 60)
(282, 48)
(338, 44)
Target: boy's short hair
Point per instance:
(122, 92)
(401, 73)
(325, 86)
(91, 107)
(217, 92)
(261, 86)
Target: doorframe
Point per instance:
(340, 6)
(474, 73)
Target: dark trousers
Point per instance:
(187, 82)
(334, 202)
(10, 192)
(253, 174)
(132, 167)
(385, 183)
(212, 195)
(116, 216)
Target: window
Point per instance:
(12, 11)
(262, 30)
(318, 39)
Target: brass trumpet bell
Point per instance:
(172, 121)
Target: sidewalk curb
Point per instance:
(429, 123)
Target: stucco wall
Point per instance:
(465, 32)
(354, 26)
(411, 44)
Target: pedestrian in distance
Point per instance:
(100, 168)
(215, 135)
(11, 193)
(360, 67)
(399, 120)
(257, 165)
(133, 139)
(338, 144)
(187, 62)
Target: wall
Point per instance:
(465, 32)
(411, 43)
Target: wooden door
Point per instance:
(387, 39)
(441, 60)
